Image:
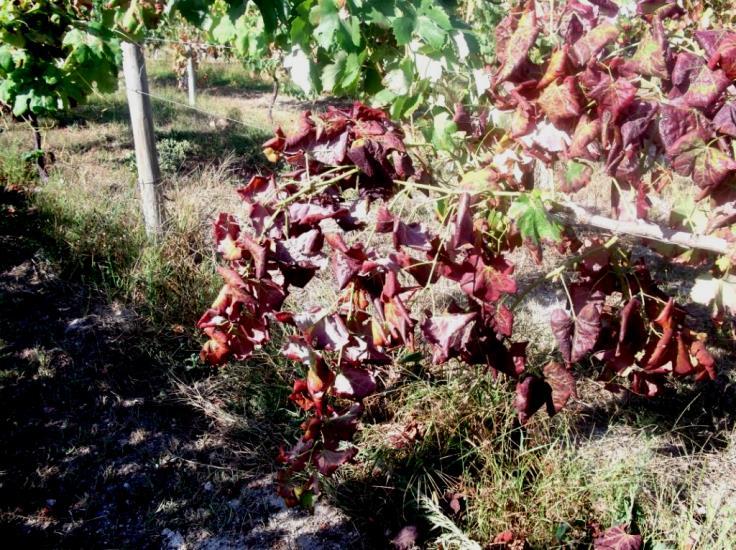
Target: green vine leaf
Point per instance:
(531, 218)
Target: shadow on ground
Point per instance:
(98, 449)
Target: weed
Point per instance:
(15, 170)
(172, 153)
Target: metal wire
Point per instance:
(214, 115)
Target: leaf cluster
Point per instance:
(53, 55)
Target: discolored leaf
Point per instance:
(346, 261)
(649, 59)
(674, 123)
(563, 328)
(583, 143)
(530, 215)
(556, 68)
(562, 383)
(587, 329)
(706, 86)
(503, 321)
(329, 461)
(517, 48)
(214, 353)
(617, 538)
(705, 363)
(462, 119)
(487, 281)
(637, 121)
(707, 165)
(720, 45)
(354, 383)
(576, 176)
(447, 334)
(310, 213)
(686, 64)
(319, 378)
(463, 228)
(226, 231)
(612, 96)
(531, 394)
(413, 235)
(725, 120)
(560, 101)
(593, 43)
(322, 330)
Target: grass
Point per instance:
(209, 74)
(96, 234)
(14, 170)
(222, 77)
(550, 483)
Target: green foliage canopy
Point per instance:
(53, 54)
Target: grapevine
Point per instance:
(68, 56)
(588, 100)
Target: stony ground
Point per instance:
(97, 448)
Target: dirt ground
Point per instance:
(98, 449)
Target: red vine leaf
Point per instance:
(329, 461)
(562, 328)
(705, 363)
(214, 353)
(413, 235)
(725, 120)
(707, 165)
(584, 144)
(649, 59)
(487, 280)
(637, 121)
(613, 96)
(531, 394)
(448, 334)
(226, 231)
(720, 45)
(593, 43)
(503, 321)
(617, 538)
(686, 64)
(517, 47)
(557, 67)
(354, 383)
(706, 86)
(463, 233)
(674, 123)
(587, 329)
(560, 101)
(562, 383)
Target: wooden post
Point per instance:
(141, 121)
(191, 80)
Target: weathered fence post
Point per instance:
(141, 121)
(191, 80)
